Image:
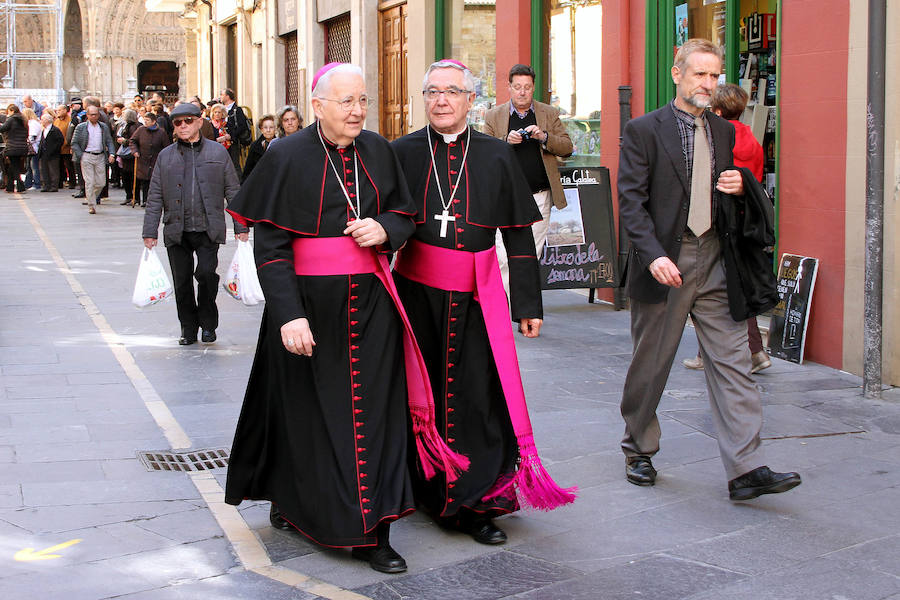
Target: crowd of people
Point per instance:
(44, 149)
(378, 388)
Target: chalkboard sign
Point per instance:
(787, 328)
(581, 251)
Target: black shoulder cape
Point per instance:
(499, 194)
(286, 187)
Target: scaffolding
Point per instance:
(31, 49)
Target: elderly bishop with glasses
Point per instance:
(337, 375)
(466, 186)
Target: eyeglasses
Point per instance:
(185, 120)
(451, 93)
(347, 104)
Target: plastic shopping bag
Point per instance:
(152, 284)
(241, 282)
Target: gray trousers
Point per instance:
(93, 167)
(656, 331)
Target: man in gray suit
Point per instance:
(674, 164)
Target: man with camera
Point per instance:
(537, 136)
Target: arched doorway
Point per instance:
(73, 48)
(159, 76)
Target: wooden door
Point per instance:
(394, 101)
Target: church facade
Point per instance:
(107, 48)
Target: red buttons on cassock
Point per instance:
(452, 334)
(456, 201)
(459, 245)
(450, 426)
(354, 297)
(449, 410)
(352, 195)
(349, 183)
(354, 360)
(459, 230)
(454, 304)
(449, 500)
(355, 373)
(354, 335)
(361, 475)
(452, 172)
(449, 380)
(452, 157)
(361, 449)
(450, 365)
(367, 510)
(353, 285)
(353, 310)
(362, 462)
(354, 347)
(366, 500)
(357, 411)
(451, 349)
(359, 423)
(452, 144)
(357, 398)
(348, 170)
(453, 319)
(451, 485)
(451, 440)
(356, 385)
(363, 488)
(354, 322)
(359, 436)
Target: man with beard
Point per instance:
(671, 161)
(322, 433)
(466, 185)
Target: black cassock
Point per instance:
(324, 437)
(470, 407)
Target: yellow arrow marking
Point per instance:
(27, 554)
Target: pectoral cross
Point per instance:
(444, 217)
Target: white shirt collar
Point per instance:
(449, 138)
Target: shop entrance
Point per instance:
(159, 76)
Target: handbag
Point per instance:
(152, 284)
(241, 281)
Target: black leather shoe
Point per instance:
(759, 481)
(208, 336)
(127, 201)
(277, 520)
(381, 558)
(484, 531)
(187, 341)
(639, 471)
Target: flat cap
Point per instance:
(185, 109)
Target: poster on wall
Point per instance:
(787, 328)
(681, 25)
(580, 251)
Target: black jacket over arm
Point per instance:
(51, 143)
(654, 192)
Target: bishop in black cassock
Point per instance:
(466, 186)
(324, 435)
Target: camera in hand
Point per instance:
(526, 135)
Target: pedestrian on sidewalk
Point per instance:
(450, 282)
(323, 430)
(15, 132)
(267, 130)
(66, 167)
(92, 147)
(537, 136)
(671, 161)
(49, 145)
(125, 155)
(729, 101)
(188, 188)
(146, 143)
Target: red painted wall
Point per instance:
(623, 64)
(513, 40)
(814, 54)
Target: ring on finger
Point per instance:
(290, 341)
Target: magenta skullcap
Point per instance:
(455, 62)
(322, 71)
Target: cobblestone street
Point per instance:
(87, 381)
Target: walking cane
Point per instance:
(133, 182)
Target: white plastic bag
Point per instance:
(152, 284)
(241, 282)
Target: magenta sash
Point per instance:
(342, 256)
(479, 272)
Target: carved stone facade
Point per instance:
(104, 42)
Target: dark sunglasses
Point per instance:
(185, 120)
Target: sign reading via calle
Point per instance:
(29, 554)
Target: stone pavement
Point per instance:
(87, 381)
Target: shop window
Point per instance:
(291, 72)
(471, 30)
(337, 39)
(574, 73)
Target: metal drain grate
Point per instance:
(194, 460)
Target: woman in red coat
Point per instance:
(729, 101)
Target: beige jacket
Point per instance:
(496, 123)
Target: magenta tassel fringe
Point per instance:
(532, 483)
(434, 454)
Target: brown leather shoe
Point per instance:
(639, 471)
